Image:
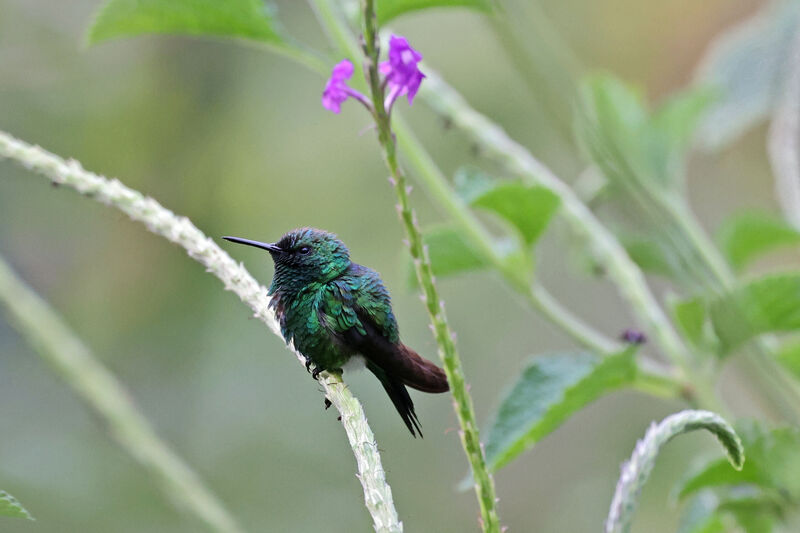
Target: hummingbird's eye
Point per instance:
(304, 250)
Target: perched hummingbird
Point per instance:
(334, 310)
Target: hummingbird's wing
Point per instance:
(363, 319)
(399, 395)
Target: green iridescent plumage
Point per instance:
(332, 310)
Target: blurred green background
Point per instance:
(235, 138)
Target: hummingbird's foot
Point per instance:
(327, 404)
(308, 364)
(315, 373)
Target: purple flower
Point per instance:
(336, 90)
(402, 74)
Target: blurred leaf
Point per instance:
(789, 356)
(549, 389)
(671, 129)
(389, 9)
(773, 462)
(754, 509)
(649, 256)
(471, 183)
(768, 304)
(746, 236)
(629, 144)
(753, 522)
(755, 512)
(244, 19)
(9, 506)
(528, 208)
(701, 515)
(449, 252)
(520, 260)
(690, 316)
(746, 65)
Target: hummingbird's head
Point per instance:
(304, 255)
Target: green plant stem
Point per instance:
(445, 338)
(181, 231)
(636, 471)
(63, 350)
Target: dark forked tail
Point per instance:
(399, 395)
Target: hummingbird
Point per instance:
(335, 312)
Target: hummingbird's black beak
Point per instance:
(271, 248)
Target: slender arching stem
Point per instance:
(180, 230)
(445, 338)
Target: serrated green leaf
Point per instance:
(9, 506)
(449, 252)
(773, 462)
(389, 9)
(768, 304)
(746, 65)
(528, 208)
(746, 236)
(690, 316)
(549, 389)
(243, 19)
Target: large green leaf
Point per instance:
(549, 389)
(389, 9)
(746, 66)
(244, 19)
(528, 208)
(773, 462)
(746, 236)
(768, 304)
(9, 506)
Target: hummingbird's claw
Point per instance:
(327, 404)
(308, 364)
(315, 373)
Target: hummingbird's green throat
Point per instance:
(332, 309)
